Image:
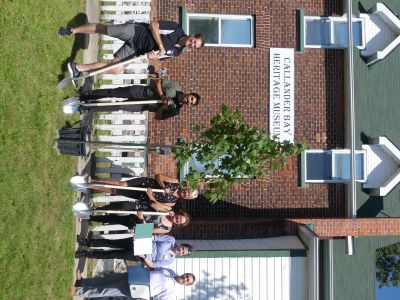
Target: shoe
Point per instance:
(82, 241)
(81, 253)
(73, 71)
(63, 31)
(87, 86)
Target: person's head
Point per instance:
(184, 249)
(180, 219)
(191, 99)
(195, 41)
(189, 194)
(186, 279)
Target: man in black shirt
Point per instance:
(161, 40)
(168, 91)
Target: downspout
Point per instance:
(352, 204)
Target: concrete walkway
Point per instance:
(89, 56)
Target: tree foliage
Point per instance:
(230, 149)
(388, 266)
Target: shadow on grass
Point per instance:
(81, 41)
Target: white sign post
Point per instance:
(281, 94)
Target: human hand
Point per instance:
(153, 54)
(149, 191)
(171, 214)
(142, 256)
(140, 214)
(162, 51)
(167, 191)
(167, 101)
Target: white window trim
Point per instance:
(362, 46)
(364, 175)
(185, 171)
(219, 16)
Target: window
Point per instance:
(222, 30)
(332, 166)
(331, 32)
(200, 167)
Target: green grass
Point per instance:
(37, 227)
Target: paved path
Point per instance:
(89, 56)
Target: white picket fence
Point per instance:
(121, 127)
(118, 128)
(122, 12)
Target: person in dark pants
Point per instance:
(168, 91)
(162, 224)
(173, 192)
(164, 250)
(163, 285)
(161, 40)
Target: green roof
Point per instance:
(354, 276)
(377, 107)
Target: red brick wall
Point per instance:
(239, 77)
(329, 228)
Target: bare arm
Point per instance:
(147, 261)
(158, 87)
(150, 195)
(161, 178)
(154, 29)
(160, 206)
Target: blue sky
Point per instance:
(390, 293)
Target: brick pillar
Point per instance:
(330, 228)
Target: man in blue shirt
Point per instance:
(163, 285)
(163, 253)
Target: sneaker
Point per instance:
(82, 241)
(73, 71)
(81, 253)
(62, 31)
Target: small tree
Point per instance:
(388, 266)
(241, 150)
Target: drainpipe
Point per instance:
(349, 67)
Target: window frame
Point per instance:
(332, 152)
(184, 169)
(331, 21)
(220, 17)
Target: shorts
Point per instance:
(126, 33)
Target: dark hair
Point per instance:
(190, 248)
(201, 37)
(193, 277)
(197, 96)
(183, 214)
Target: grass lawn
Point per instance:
(37, 227)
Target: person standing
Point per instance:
(173, 192)
(173, 99)
(160, 39)
(163, 285)
(164, 250)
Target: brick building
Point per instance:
(260, 225)
(239, 77)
